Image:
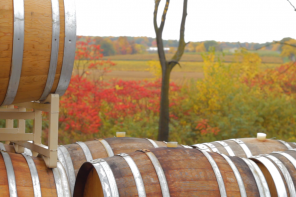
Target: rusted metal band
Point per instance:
(69, 46)
(34, 175)
(160, 173)
(244, 147)
(68, 166)
(214, 149)
(259, 178)
(17, 51)
(10, 174)
(237, 175)
(136, 174)
(217, 173)
(227, 148)
(201, 147)
(107, 147)
(86, 151)
(286, 144)
(275, 174)
(285, 172)
(55, 41)
(153, 143)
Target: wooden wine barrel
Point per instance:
(246, 147)
(171, 172)
(279, 169)
(37, 48)
(72, 156)
(23, 175)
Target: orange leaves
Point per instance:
(204, 128)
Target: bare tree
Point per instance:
(167, 66)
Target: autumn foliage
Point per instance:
(233, 100)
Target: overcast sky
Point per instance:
(220, 20)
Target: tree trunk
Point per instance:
(163, 129)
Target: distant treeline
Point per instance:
(139, 45)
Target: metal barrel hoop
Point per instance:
(186, 146)
(244, 147)
(54, 48)
(86, 151)
(217, 173)
(201, 147)
(226, 147)
(288, 157)
(152, 142)
(285, 172)
(34, 175)
(101, 164)
(136, 173)
(68, 166)
(275, 174)
(286, 144)
(17, 51)
(160, 174)
(259, 178)
(69, 47)
(237, 175)
(2, 147)
(212, 146)
(10, 174)
(61, 159)
(107, 147)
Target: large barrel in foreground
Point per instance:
(167, 172)
(246, 147)
(37, 48)
(72, 156)
(22, 176)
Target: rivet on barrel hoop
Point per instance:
(55, 41)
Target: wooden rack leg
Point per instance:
(53, 131)
(22, 129)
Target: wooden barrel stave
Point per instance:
(97, 149)
(187, 171)
(254, 146)
(23, 177)
(38, 49)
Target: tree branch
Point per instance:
(182, 44)
(292, 5)
(165, 10)
(158, 32)
(155, 15)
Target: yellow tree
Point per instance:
(167, 66)
(289, 49)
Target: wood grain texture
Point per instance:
(37, 48)
(118, 145)
(247, 176)
(6, 37)
(256, 147)
(187, 171)
(23, 177)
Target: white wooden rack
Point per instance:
(32, 141)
